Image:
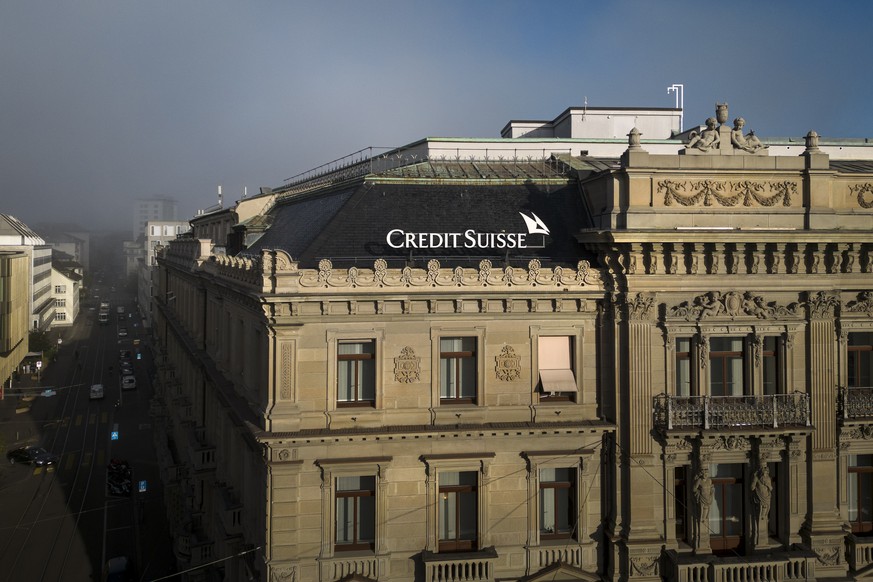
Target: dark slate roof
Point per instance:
(852, 166)
(349, 225)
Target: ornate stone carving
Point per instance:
(732, 304)
(435, 276)
(639, 307)
(707, 140)
(731, 443)
(822, 305)
(284, 455)
(762, 487)
(757, 349)
(644, 566)
(507, 364)
(284, 574)
(407, 366)
(864, 193)
(864, 304)
(702, 491)
(287, 370)
(748, 143)
(863, 432)
(828, 556)
(707, 192)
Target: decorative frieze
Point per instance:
(822, 305)
(709, 192)
(864, 194)
(435, 276)
(864, 304)
(732, 304)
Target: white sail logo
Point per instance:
(535, 225)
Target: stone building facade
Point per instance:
(574, 368)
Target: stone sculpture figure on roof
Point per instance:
(747, 143)
(708, 138)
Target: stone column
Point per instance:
(642, 503)
(823, 529)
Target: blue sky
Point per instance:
(106, 101)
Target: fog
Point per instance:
(106, 101)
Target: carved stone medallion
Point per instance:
(507, 365)
(407, 366)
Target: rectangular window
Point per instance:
(458, 370)
(727, 513)
(861, 494)
(356, 373)
(772, 366)
(860, 359)
(155, 230)
(555, 360)
(60, 289)
(557, 504)
(60, 302)
(726, 366)
(458, 511)
(355, 513)
(683, 367)
(60, 316)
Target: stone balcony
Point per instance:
(856, 403)
(797, 564)
(859, 552)
(460, 567)
(346, 564)
(721, 412)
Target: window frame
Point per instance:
(723, 487)
(859, 353)
(460, 379)
(457, 544)
(574, 334)
(333, 339)
(333, 469)
(725, 357)
(355, 495)
(855, 473)
(357, 358)
(572, 485)
(437, 333)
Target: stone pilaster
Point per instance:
(823, 529)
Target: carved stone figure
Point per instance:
(747, 143)
(708, 138)
(703, 491)
(762, 489)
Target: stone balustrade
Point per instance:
(718, 412)
(464, 567)
(860, 551)
(339, 567)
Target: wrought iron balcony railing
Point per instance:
(717, 412)
(856, 402)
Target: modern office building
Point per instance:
(152, 209)
(15, 235)
(623, 358)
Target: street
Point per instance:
(59, 522)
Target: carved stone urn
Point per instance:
(721, 112)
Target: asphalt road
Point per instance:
(60, 523)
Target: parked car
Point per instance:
(124, 353)
(119, 478)
(118, 569)
(128, 382)
(32, 456)
(126, 368)
(122, 332)
(96, 392)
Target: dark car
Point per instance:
(32, 456)
(124, 354)
(126, 368)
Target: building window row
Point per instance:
(458, 370)
(60, 316)
(460, 496)
(60, 289)
(61, 302)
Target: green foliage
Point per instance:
(39, 341)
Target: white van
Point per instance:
(103, 318)
(96, 392)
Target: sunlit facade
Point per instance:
(647, 366)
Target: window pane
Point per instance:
(448, 377)
(683, 376)
(345, 520)
(853, 496)
(368, 379)
(861, 339)
(547, 511)
(350, 348)
(733, 510)
(447, 510)
(345, 380)
(366, 519)
(468, 515)
(356, 483)
(734, 376)
(468, 378)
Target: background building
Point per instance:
(650, 364)
(14, 312)
(67, 287)
(15, 235)
(153, 209)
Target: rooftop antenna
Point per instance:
(585, 108)
(679, 89)
(245, 191)
(219, 195)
